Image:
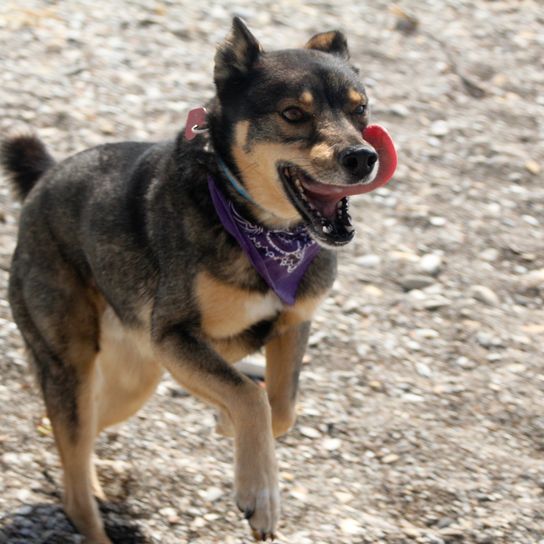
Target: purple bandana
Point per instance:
(281, 257)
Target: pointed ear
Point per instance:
(237, 54)
(333, 42)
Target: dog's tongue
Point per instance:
(328, 195)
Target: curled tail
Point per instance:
(24, 159)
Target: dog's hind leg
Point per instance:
(58, 319)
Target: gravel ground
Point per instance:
(421, 412)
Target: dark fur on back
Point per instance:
(24, 159)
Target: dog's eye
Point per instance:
(360, 110)
(293, 115)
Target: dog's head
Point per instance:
(290, 124)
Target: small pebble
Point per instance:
(430, 264)
(415, 281)
(309, 432)
(533, 167)
(350, 527)
(440, 128)
(390, 459)
(484, 294)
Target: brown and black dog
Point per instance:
(123, 267)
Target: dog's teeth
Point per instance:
(327, 229)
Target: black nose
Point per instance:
(358, 161)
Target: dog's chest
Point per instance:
(227, 310)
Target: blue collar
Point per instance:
(233, 181)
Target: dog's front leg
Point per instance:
(284, 354)
(203, 372)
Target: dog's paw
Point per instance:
(223, 424)
(259, 500)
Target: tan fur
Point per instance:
(76, 457)
(280, 354)
(356, 98)
(127, 370)
(322, 154)
(258, 168)
(306, 99)
(322, 41)
(279, 371)
(227, 310)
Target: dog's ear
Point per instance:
(237, 54)
(333, 42)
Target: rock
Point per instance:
(533, 167)
(425, 333)
(350, 527)
(213, 493)
(424, 370)
(533, 280)
(345, 497)
(434, 303)
(484, 294)
(487, 340)
(415, 281)
(375, 385)
(309, 432)
(430, 264)
(400, 110)
(390, 459)
(368, 261)
(465, 363)
(198, 523)
(170, 514)
(490, 254)
(331, 444)
(437, 221)
(412, 397)
(440, 128)
(300, 493)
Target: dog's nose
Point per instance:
(358, 161)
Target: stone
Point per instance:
(390, 459)
(484, 294)
(533, 167)
(440, 128)
(437, 221)
(415, 281)
(309, 432)
(213, 493)
(350, 527)
(424, 370)
(331, 444)
(368, 261)
(430, 264)
(533, 279)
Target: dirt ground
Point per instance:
(422, 404)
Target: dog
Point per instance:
(187, 255)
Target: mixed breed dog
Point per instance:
(188, 255)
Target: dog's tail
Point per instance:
(24, 159)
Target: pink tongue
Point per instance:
(380, 140)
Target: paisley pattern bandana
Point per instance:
(281, 257)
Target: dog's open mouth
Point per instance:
(324, 207)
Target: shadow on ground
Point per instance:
(47, 524)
